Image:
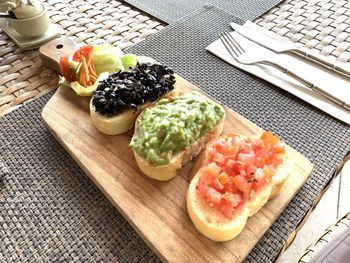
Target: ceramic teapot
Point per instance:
(29, 17)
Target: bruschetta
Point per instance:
(173, 131)
(120, 98)
(236, 176)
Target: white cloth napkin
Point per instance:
(333, 83)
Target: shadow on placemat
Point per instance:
(3, 171)
(170, 11)
(50, 210)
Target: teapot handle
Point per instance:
(23, 9)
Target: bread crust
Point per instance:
(281, 176)
(169, 171)
(124, 121)
(212, 223)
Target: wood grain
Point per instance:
(51, 52)
(157, 210)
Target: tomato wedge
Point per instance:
(66, 71)
(87, 73)
(83, 51)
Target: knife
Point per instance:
(283, 47)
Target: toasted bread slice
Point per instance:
(121, 123)
(124, 121)
(167, 172)
(212, 223)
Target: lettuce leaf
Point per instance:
(107, 58)
(79, 89)
(129, 60)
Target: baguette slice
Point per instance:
(213, 224)
(124, 121)
(121, 123)
(169, 171)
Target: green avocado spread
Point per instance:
(173, 124)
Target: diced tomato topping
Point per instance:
(231, 187)
(202, 189)
(247, 191)
(213, 196)
(227, 209)
(211, 153)
(239, 181)
(251, 169)
(260, 162)
(256, 186)
(259, 174)
(261, 153)
(279, 147)
(207, 178)
(269, 139)
(213, 169)
(268, 173)
(220, 147)
(219, 158)
(238, 168)
(231, 173)
(246, 147)
(224, 178)
(242, 169)
(230, 163)
(232, 149)
(217, 184)
(230, 198)
(246, 157)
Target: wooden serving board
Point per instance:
(157, 210)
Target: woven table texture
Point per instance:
(321, 138)
(329, 234)
(170, 11)
(322, 25)
(319, 25)
(22, 76)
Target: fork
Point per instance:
(243, 57)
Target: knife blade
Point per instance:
(283, 47)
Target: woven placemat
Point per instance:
(50, 210)
(170, 11)
(22, 76)
(321, 138)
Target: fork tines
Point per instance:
(232, 46)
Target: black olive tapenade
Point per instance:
(125, 90)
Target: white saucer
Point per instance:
(27, 43)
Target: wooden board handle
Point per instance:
(52, 51)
